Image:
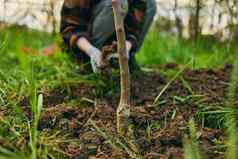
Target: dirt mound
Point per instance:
(158, 127)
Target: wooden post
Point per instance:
(123, 110)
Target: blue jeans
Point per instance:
(103, 29)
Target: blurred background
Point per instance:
(184, 17)
(211, 24)
(190, 63)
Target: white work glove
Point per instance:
(128, 49)
(95, 58)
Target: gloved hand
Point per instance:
(95, 54)
(128, 49)
(95, 58)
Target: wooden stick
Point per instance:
(123, 110)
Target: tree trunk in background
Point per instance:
(123, 110)
(232, 7)
(53, 16)
(197, 20)
(213, 16)
(4, 12)
(178, 21)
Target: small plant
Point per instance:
(191, 146)
(33, 132)
(231, 119)
(231, 143)
(150, 128)
(3, 43)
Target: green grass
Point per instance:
(191, 148)
(23, 75)
(162, 49)
(223, 117)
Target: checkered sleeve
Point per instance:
(75, 17)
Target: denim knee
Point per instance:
(103, 22)
(151, 7)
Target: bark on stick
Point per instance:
(123, 110)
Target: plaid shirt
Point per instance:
(76, 20)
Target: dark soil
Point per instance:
(168, 119)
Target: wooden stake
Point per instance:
(123, 110)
